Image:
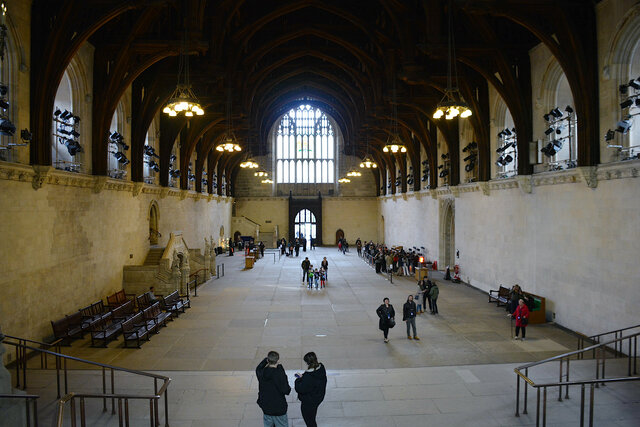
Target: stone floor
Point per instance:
(459, 374)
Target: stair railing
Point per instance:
(108, 393)
(595, 339)
(194, 282)
(600, 350)
(22, 357)
(28, 398)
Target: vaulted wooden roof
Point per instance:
(344, 56)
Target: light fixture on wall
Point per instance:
(183, 100)
(452, 104)
(230, 144)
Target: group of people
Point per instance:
(311, 275)
(343, 246)
(273, 386)
(397, 260)
(427, 290)
(518, 310)
(294, 246)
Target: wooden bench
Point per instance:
(502, 295)
(134, 329)
(146, 300)
(123, 312)
(93, 312)
(68, 328)
(174, 304)
(155, 317)
(104, 329)
(119, 298)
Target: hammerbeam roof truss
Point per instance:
(344, 56)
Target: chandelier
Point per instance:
(249, 164)
(344, 180)
(260, 174)
(183, 100)
(354, 172)
(267, 181)
(395, 145)
(451, 105)
(368, 163)
(230, 144)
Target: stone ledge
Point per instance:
(39, 175)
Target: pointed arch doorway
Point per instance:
(447, 234)
(153, 224)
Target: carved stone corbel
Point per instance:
(137, 188)
(455, 191)
(164, 192)
(590, 175)
(484, 186)
(434, 194)
(184, 194)
(41, 173)
(99, 184)
(524, 183)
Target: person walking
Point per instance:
(305, 268)
(433, 295)
(261, 246)
(522, 318)
(359, 246)
(427, 298)
(387, 315)
(273, 386)
(311, 387)
(409, 316)
(310, 277)
(325, 265)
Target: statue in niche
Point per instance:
(176, 261)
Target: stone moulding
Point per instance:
(40, 175)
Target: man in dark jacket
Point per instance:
(273, 385)
(409, 316)
(305, 268)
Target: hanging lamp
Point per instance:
(183, 100)
(230, 143)
(452, 104)
(394, 144)
(367, 162)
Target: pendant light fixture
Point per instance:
(344, 180)
(249, 164)
(353, 171)
(183, 100)
(367, 162)
(394, 143)
(452, 104)
(230, 143)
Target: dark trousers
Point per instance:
(305, 274)
(434, 306)
(425, 298)
(309, 414)
(524, 330)
(378, 267)
(385, 331)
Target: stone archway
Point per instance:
(339, 235)
(447, 233)
(154, 233)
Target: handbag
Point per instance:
(391, 322)
(524, 321)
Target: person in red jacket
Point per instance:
(521, 314)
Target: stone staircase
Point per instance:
(154, 256)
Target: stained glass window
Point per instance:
(304, 133)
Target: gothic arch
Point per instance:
(447, 233)
(153, 217)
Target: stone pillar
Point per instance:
(176, 277)
(12, 410)
(185, 279)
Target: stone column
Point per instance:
(12, 410)
(185, 279)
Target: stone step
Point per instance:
(154, 256)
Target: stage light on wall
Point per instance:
(623, 126)
(624, 104)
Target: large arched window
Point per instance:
(305, 224)
(305, 146)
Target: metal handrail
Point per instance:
(600, 351)
(617, 333)
(61, 360)
(21, 356)
(195, 282)
(28, 398)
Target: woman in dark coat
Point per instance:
(387, 315)
(311, 387)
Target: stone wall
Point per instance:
(554, 235)
(65, 245)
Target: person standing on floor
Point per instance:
(522, 318)
(387, 315)
(311, 387)
(409, 316)
(433, 295)
(273, 386)
(305, 268)
(427, 298)
(325, 265)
